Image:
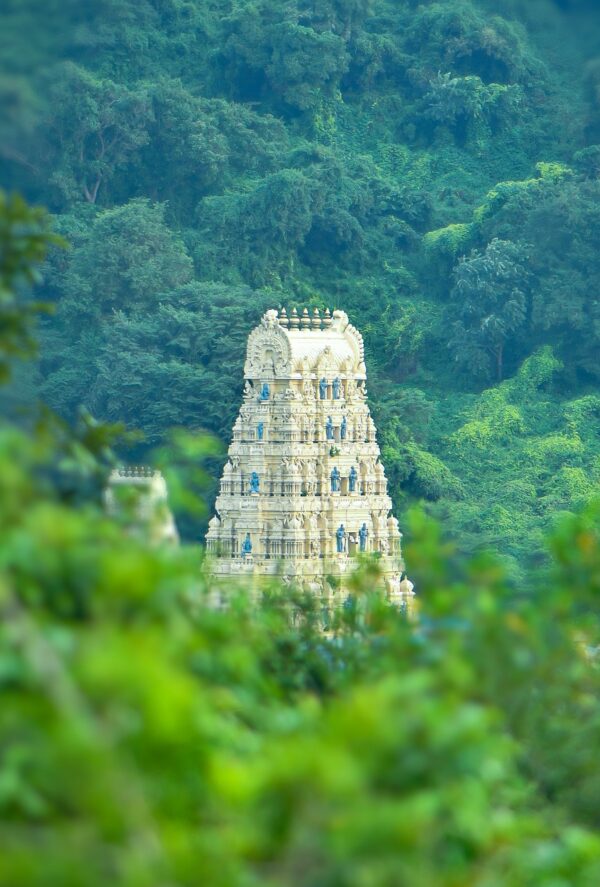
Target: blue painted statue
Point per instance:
(337, 387)
(264, 392)
(329, 428)
(363, 534)
(343, 429)
(352, 478)
(335, 480)
(260, 430)
(254, 482)
(247, 545)
(340, 537)
(323, 389)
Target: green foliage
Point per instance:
(150, 735)
(460, 101)
(491, 292)
(208, 160)
(24, 238)
(522, 456)
(461, 34)
(297, 57)
(452, 240)
(179, 366)
(129, 256)
(94, 128)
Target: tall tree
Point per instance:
(491, 296)
(94, 127)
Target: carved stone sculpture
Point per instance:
(363, 535)
(335, 480)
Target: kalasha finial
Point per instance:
(283, 318)
(316, 320)
(294, 320)
(305, 319)
(327, 319)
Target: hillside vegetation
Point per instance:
(432, 168)
(151, 738)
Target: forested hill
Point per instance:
(432, 168)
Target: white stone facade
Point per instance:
(304, 490)
(145, 504)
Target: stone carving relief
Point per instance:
(268, 352)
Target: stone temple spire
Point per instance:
(304, 492)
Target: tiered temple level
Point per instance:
(303, 490)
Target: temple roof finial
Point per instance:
(294, 320)
(316, 320)
(305, 319)
(327, 319)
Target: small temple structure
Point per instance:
(304, 491)
(138, 496)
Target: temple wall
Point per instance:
(304, 491)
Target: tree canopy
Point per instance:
(431, 168)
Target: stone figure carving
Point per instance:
(247, 546)
(337, 387)
(315, 548)
(248, 391)
(323, 389)
(307, 389)
(269, 319)
(268, 350)
(314, 523)
(260, 430)
(363, 534)
(329, 428)
(311, 479)
(340, 538)
(254, 482)
(264, 392)
(352, 479)
(344, 429)
(335, 480)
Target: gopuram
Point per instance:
(304, 492)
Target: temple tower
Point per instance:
(304, 491)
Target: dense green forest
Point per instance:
(430, 167)
(433, 169)
(150, 738)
